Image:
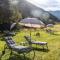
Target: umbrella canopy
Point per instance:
(50, 25)
(31, 22)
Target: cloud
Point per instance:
(14, 2)
(47, 4)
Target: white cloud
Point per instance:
(47, 4)
(14, 2)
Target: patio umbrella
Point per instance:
(31, 22)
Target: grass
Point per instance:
(53, 45)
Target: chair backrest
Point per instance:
(10, 42)
(28, 38)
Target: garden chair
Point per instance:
(30, 41)
(8, 33)
(17, 48)
(50, 31)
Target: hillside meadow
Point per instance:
(53, 40)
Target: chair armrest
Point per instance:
(23, 43)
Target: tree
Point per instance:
(5, 12)
(16, 15)
(8, 12)
(45, 16)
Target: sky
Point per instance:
(48, 5)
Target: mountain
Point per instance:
(29, 10)
(55, 13)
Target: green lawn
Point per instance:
(53, 45)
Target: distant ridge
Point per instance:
(55, 13)
(26, 8)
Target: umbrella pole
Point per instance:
(30, 29)
(30, 37)
(30, 32)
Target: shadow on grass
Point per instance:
(14, 56)
(40, 49)
(56, 34)
(18, 57)
(2, 39)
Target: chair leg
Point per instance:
(24, 56)
(47, 46)
(34, 54)
(36, 46)
(3, 52)
(43, 47)
(11, 53)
